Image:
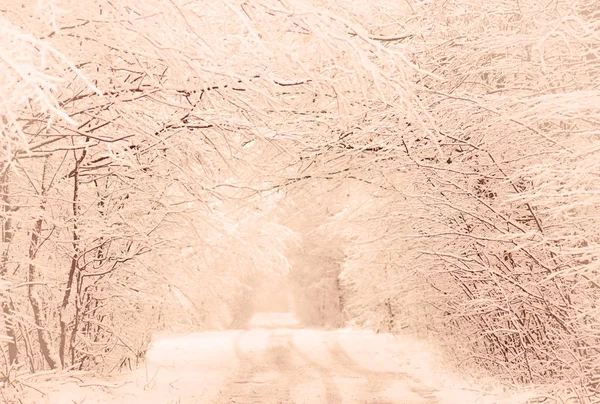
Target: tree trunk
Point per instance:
(35, 300)
(7, 231)
(37, 305)
(9, 329)
(66, 312)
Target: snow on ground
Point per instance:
(277, 362)
(421, 363)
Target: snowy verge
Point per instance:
(426, 364)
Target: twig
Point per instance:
(390, 38)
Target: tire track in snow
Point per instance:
(378, 381)
(332, 393)
(271, 365)
(262, 377)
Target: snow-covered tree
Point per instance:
(448, 150)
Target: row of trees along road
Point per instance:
(157, 156)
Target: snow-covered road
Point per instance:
(308, 366)
(277, 362)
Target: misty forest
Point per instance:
(426, 168)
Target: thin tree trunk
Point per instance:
(65, 310)
(28, 348)
(35, 300)
(73, 278)
(7, 233)
(9, 329)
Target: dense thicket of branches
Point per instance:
(495, 240)
(121, 163)
(446, 153)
